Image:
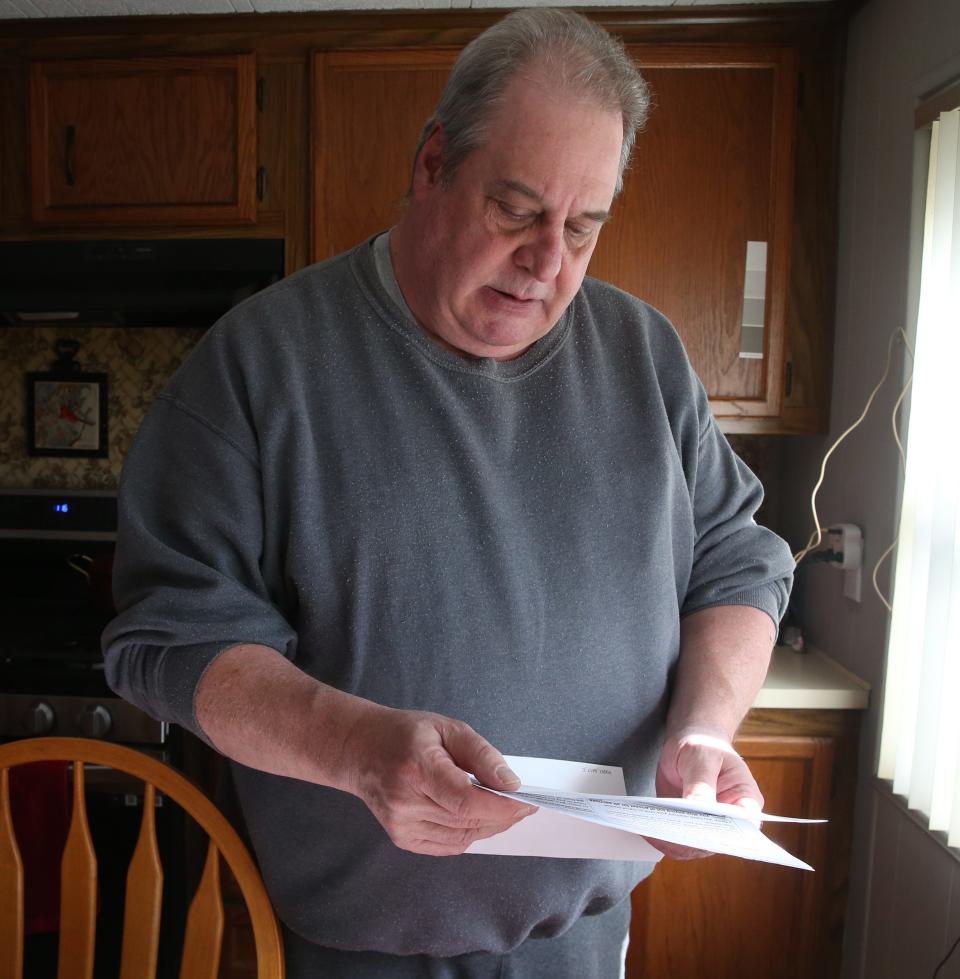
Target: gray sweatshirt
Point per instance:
(512, 544)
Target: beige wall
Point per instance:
(905, 899)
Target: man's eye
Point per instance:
(513, 213)
(578, 232)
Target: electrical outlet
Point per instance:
(846, 542)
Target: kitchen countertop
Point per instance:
(810, 680)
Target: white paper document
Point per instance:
(584, 811)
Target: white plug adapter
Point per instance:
(846, 542)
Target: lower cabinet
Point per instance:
(739, 919)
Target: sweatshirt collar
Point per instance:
(529, 360)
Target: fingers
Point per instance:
(435, 839)
(699, 771)
(704, 768)
(421, 825)
(475, 754)
(414, 780)
(675, 851)
(699, 761)
(460, 804)
(441, 839)
(737, 786)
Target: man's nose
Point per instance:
(542, 256)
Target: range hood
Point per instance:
(162, 282)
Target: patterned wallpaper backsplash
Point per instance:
(138, 363)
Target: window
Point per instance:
(920, 735)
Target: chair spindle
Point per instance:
(204, 932)
(141, 910)
(78, 890)
(11, 888)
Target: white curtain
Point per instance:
(920, 739)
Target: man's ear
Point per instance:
(426, 171)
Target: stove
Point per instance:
(56, 556)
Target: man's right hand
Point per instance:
(409, 767)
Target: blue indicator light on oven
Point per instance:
(61, 507)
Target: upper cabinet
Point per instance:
(702, 230)
(369, 108)
(727, 220)
(132, 141)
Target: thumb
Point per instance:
(698, 774)
(475, 754)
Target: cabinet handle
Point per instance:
(69, 140)
(261, 183)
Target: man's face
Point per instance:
(502, 249)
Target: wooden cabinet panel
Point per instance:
(712, 171)
(369, 108)
(137, 140)
(282, 152)
(739, 919)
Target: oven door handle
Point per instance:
(81, 563)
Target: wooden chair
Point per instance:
(141, 918)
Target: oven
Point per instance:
(56, 555)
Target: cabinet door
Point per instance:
(702, 230)
(738, 919)
(369, 108)
(144, 140)
(711, 183)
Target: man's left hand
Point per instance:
(703, 767)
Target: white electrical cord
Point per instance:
(817, 536)
(903, 469)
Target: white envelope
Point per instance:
(554, 834)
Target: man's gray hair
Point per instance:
(562, 47)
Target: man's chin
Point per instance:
(507, 349)
(507, 337)
(501, 337)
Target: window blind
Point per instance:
(920, 733)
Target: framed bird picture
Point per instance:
(67, 413)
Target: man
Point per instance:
(437, 499)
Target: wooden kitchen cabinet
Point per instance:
(711, 174)
(369, 108)
(744, 129)
(738, 919)
(150, 140)
(711, 182)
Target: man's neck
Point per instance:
(404, 254)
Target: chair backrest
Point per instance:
(141, 919)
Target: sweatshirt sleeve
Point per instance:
(187, 578)
(735, 561)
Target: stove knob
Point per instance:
(39, 718)
(95, 721)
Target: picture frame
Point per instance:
(67, 414)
